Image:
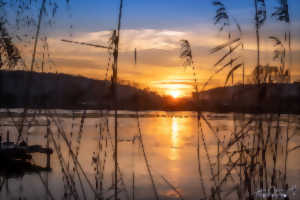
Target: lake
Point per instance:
(179, 156)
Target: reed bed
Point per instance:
(247, 162)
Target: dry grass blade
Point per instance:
(261, 12)
(276, 40)
(66, 173)
(281, 12)
(208, 157)
(278, 54)
(86, 44)
(227, 64)
(222, 46)
(231, 71)
(29, 79)
(172, 187)
(228, 54)
(294, 148)
(145, 157)
(186, 52)
(112, 39)
(219, 70)
(198, 157)
(244, 131)
(206, 83)
(221, 16)
(7, 49)
(135, 56)
(238, 26)
(118, 167)
(62, 133)
(218, 3)
(116, 37)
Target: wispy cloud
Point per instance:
(158, 52)
(141, 39)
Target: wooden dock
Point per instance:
(12, 154)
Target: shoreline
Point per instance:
(223, 110)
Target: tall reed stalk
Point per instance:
(115, 85)
(29, 79)
(260, 18)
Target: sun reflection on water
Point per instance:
(174, 139)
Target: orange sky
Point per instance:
(158, 64)
(156, 36)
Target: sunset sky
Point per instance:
(155, 28)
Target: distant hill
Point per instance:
(283, 98)
(49, 90)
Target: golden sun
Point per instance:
(175, 93)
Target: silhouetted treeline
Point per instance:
(49, 90)
(251, 98)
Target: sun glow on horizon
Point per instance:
(175, 93)
(176, 88)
